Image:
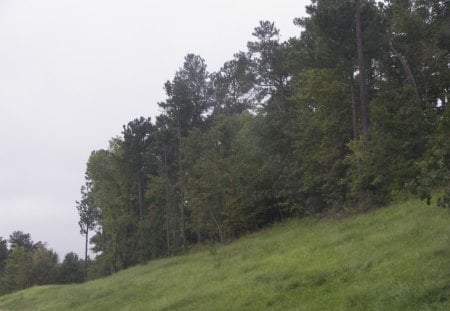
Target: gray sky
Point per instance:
(72, 72)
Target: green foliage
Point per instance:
(44, 266)
(320, 135)
(221, 185)
(27, 264)
(444, 201)
(86, 210)
(419, 32)
(3, 255)
(21, 239)
(281, 129)
(233, 85)
(188, 95)
(435, 165)
(329, 33)
(398, 135)
(113, 196)
(269, 62)
(71, 269)
(18, 270)
(394, 258)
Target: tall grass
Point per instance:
(396, 258)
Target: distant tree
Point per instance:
(88, 217)
(21, 239)
(4, 252)
(44, 266)
(18, 270)
(71, 269)
(3, 255)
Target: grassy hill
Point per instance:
(396, 258)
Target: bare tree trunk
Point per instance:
(167, 202)
(141, 216)
(407, 70)
(140, 197)
(183, 229)
(352, 92)
(86, 255)
(219, 229)
(362, 72)
(115, 254)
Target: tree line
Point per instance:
(24, 263)
(347, 115)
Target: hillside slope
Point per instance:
(396, 258)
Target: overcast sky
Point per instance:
(72, 72)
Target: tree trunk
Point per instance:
(167, 202)
(115, 254)
(352, 92)
(141, 217)
(86, 255)
(362, 72)
(219, 229)
(183, 229)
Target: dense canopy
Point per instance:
(347, 115)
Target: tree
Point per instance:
(117, 221)
(4, 252)
(21, 239)
(270, 68)
(162, 190)
(222, 181)
(188, 103)
(138, 163)
(419, 47)
(44, 268)
(330, 39)
(18, 270)
(88, 217)
(410, 65)
(118, 177)
(189, 95)
(434, 167)
(320, 133)
(233, 85)
(71, 269)
(362, 71)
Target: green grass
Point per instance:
(396, 258)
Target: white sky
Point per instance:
(72, 72)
